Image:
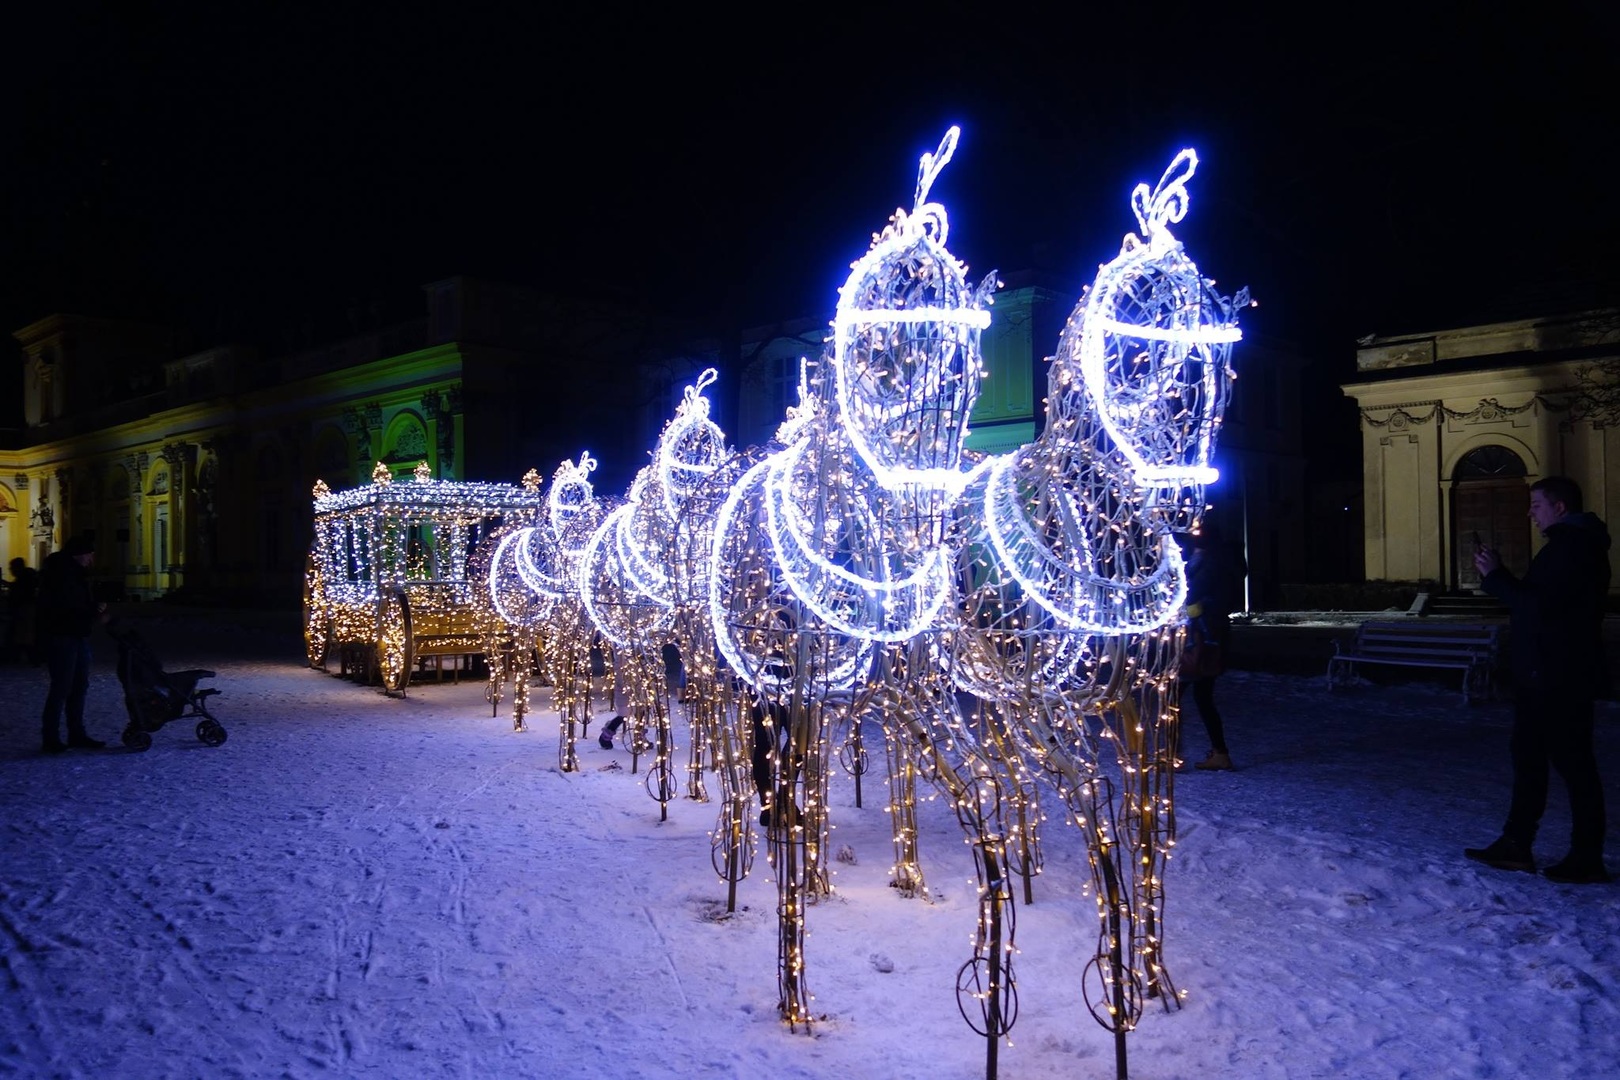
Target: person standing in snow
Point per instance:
(67, 612)
(20, 601)
(1214, 578)
(1555, 632)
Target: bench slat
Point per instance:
(1471, 649)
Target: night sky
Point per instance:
(239, 175)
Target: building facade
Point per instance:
(193, 474)
(1455, 426)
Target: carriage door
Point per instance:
(1489, 496)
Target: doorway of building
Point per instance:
(1490, 499)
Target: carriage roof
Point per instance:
(440, 501)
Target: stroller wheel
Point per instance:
(136, 739)
(211, 732)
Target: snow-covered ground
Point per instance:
(356, 885)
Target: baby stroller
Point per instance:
(153, 697)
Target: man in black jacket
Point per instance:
(1555, 631)
(67, 611)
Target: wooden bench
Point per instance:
(1467, 647)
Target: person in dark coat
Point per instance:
(1214, 590)
(67, 611)
(1555, 657)
(21, 597)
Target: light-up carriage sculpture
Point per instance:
(1075, 584)
(388, 571)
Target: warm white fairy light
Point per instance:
(1076, 586)
(834, 555)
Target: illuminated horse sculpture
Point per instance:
(512, 614)
(633, 585)
(1076, 586)
(834, 563)
(532, 587)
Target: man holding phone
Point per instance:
(1555, 632)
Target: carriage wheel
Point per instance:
(317, 620)
(137, 740)
(211, 732)
(396, 648)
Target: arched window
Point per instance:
(407, 440)
(1489, 463)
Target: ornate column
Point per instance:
(207, 560)
(135, 465)
(433, 414)
(228, 491)
(42, 518)
(449, 420)
(181, 459)
(64, 504)
(364, 422)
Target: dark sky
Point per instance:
(1393, 169)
